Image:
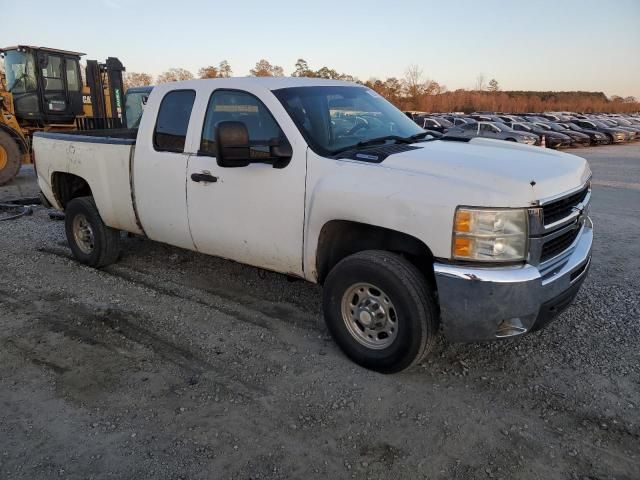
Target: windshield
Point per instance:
(20, 71)
(521, 126)
(334, 118)
(444, 122)
(503, 126)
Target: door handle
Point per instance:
(203, 177)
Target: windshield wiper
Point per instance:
(418, 136)
(375, 141)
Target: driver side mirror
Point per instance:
(232, 139)
(234, 148)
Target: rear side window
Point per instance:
(173, 121)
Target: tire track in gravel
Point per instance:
(245, 308)
(100, 328)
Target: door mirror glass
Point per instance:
(232, 139)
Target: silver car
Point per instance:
(496, 130)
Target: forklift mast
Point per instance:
(106, 106)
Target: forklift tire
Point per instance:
(10, 158)
(91, 241)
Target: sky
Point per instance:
(526, 45)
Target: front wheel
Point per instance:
(380, 311)
(91, 241)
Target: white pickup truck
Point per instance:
(327, 181)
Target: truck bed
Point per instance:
(103, 158)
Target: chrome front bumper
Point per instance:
(487, 303)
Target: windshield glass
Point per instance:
(522, 126)
(444, 122)
(333, 118)
(20, 71)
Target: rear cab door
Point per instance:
(160, 165)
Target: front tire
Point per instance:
(10, 158)
(380, 311)
(90, 240)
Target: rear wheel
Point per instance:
(380, 310)
(90, 240)
(9, 158)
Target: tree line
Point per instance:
(415, 92)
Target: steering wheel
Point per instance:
(361, 123)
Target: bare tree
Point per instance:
(493, 85)
(224, 69)
(135, 79)
(414, 86)
(302, 69)
(481, 82)
(174, 75)
(264, 69)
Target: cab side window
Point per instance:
(173, 120)
(52, 72)
(236, 106)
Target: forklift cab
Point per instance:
(45, 84)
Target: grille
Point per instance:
(559, 244)
(562, 208)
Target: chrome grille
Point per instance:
(564, 207)
(555, 225)
(559, 244)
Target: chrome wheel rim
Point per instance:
(83, 234)
(369, 315)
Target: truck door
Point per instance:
(252, 214)
(159, 169)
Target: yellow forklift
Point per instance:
(42, 89)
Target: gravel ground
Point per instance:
(175, 365)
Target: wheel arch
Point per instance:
(67, 186)
(341, 238)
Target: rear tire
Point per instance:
(90, 240)
(10, 158)
(380, 311)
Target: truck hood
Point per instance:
(507, 174)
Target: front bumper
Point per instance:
(484, 303)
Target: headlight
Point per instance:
(490, 235)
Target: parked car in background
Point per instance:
(552, 139)
(615, 134)
(597, 138)
(459, 120)
(624, 125)
(577, 139)
(498, 131)
(436, 124)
